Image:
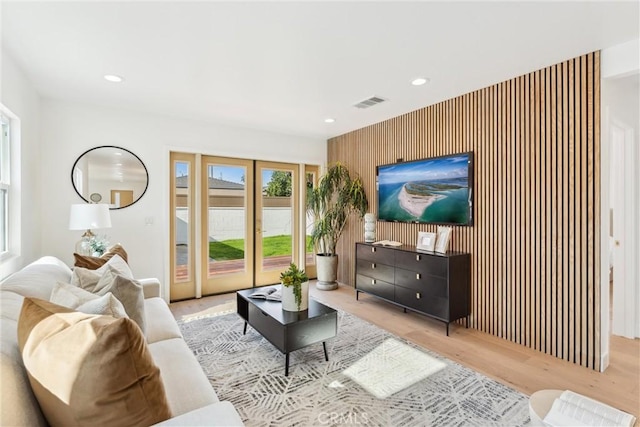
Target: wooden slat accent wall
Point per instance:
(535, 242)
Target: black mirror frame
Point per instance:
(120, 148)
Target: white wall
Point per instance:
(71, 129)
(18, 95)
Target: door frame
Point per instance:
(187, 288)
(311, 269)
(624, 218)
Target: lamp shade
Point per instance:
(89, 216)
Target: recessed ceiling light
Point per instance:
(113, 78)
(419, 81)
(329, 120)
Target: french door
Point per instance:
(226, 223)
(277, 216)
(236, 223)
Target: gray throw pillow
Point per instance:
(128, 291)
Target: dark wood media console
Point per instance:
(437, 285)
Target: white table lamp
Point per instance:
(87, 216)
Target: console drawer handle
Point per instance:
(373, 281)
(373, 266)
(418, 296)
(418, 276)
(418, 257)
(373, 249)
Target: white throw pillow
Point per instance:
(78, 299)
(107, 304)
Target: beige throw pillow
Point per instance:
(119, 264)
(78, 299)
(89, 370)
(87, 279)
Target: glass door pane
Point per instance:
(276, 220)
(311, 180)
(227, 239)
(182, 230)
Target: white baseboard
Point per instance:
(604, 361)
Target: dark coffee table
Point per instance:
(288, 330)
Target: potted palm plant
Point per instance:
(295, 289)
(337, 196)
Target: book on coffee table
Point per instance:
(271, 294)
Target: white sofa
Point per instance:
(191, 398)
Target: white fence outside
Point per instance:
(229, 223)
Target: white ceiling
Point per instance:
(286, 66)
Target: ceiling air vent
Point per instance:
(370, 102)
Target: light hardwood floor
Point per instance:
(524, 369)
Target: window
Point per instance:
(5, 181)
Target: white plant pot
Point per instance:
(289, 298)
(327, 269)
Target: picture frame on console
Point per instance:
(426, 241)
(442, 243)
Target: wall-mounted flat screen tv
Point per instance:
(437, 190)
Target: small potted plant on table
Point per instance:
(295, 289)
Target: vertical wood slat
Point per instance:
(583, 208)
(578, 204)
(552, 189)
(537, 219)
(565, 213)
(535, 242)
(549, 241)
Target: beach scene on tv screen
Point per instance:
(430, 190)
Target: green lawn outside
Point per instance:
(234, 248)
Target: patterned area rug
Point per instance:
(248, 371)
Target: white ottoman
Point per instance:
(540, 404)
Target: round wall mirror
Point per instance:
(111, 175)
